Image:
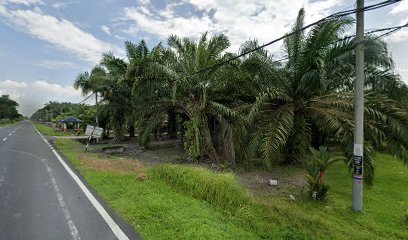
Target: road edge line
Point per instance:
(97, 205)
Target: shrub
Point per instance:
(316, 169)
(316, 190)
(5, 121)
(142, 176)
(406, 215)
(219, 189)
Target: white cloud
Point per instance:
(31, 96)
(59, 32)
(106, 29)
(402, 7)
(401, 35)
(55, 64)
(24, 2)
(9, 84)
(144, 2)
(54, 88)
(240, 20)
(59, 5)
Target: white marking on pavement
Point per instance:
(1, 180)
(4, 139)
(10, 134)
(104, 214)
(71, 225)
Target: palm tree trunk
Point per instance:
(172, 124)
(131, 130)
(208, 147)
(321, 177)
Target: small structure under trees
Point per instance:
(75, 122)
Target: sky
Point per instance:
(45, 44)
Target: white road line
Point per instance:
(1, 180)
(10, 134)
(71, 225)
(104, 214)
(4, 139)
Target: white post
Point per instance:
(359, 112)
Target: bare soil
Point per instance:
(291, 179)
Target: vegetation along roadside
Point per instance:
(186, 201)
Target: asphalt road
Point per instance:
(39, 197)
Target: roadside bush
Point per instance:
(219, 189)
(316, 168)
(5, 121)
(316, 190)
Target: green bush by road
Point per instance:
(49, 131)
(169, 206)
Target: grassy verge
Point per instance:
(49, 131)
(183, 202)
(152, 206)
(7, 123)
(220, 190)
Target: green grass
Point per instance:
(49, 131)
(153, 207)
(7, 122)
(220, 190)
(184, 202)
(5, 125)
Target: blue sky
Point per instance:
(44, 44)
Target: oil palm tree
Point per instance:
(299, 106)
(211, 125)
(151, 88)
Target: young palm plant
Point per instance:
(316, 168)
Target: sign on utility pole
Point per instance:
(92, 131)
(358, 160)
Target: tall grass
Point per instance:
(48, 131)
(219, 189)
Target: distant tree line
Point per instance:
(8, 110)
(56, 111)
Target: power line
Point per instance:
(332, 16)
(389, 29)
(86, 98)
(392, 30)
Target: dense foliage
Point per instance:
(254, 109)
(316, 168)
(55, 111)
(8, 109)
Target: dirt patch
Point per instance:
(164, 152)
(291, 180)
(142, 176)
(110, 165)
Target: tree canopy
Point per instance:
(255, 109)
(8, 108)
(55, 111)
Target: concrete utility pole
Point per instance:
(96, 106)
(359, 112)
